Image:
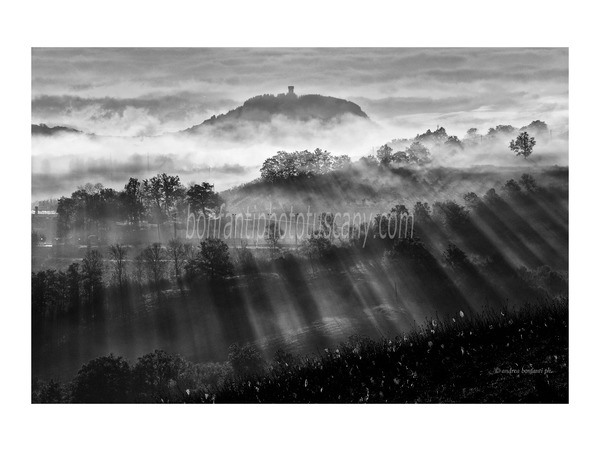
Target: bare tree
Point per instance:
(273, 235)
(162, 194)
(155, 263)
(118, 254)
(178, 253)
(92, 269)
(138, 269)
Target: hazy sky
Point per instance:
(149, 91)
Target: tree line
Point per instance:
(82, 286)
(301, 164)
(157, 200)
(124, 270)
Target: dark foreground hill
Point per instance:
(510, 356)
(505, 357)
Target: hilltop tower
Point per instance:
(291, 94)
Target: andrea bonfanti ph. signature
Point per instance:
(523, 371)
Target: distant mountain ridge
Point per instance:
(44, 130)
(439, 137)
(262, 108)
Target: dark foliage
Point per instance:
(246, 360)
(495, 357)
(293, 166)
(503, 356)
(103, 380)
(211, 262)
(159, 377)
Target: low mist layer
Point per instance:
(66, 160)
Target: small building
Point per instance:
(291, 93)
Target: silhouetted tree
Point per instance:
(500, 130)
(341, 162)
(88, 210)
(73, 285)
(384, 155)
(537, 127)
(155, 264)
(212, 261)
(368, 161)
(511, 187)
(450, 213)
(528, 182)
(139, 267)
(413, 251)
(473, 136)
(302, 164)
(159, 377)
(416, 154)
(472, 201)
(279, 167)
(491, 196)
(92, 268)
(178, 252)
(422, 212)
(453, 143)
(118, 255)
(66, 212)
(41, 293)
(523, 144)
(162, 193)
(132, 198)
(103, 380)
(202, 197)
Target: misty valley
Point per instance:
(299, 225)
(126, 273)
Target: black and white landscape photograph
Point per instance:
(315, 225)
(299, 225)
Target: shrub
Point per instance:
(246, 360)
(103, 380)
(49, 392)
(283, 360)
(209, 376)
(454, 256)
(159, 376)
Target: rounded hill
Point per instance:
(263, 108)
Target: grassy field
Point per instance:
(505, 356)
(494, 357)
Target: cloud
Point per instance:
(397, 106)
(528, 74)
(166, 113)
(241, 73)
(61, 164)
